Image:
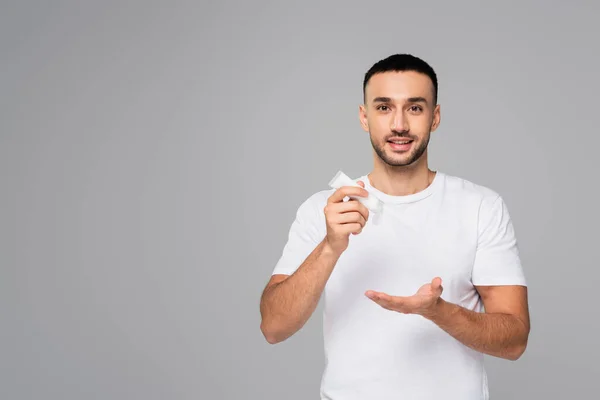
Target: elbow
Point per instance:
(518, 349)
(272, 336)
(516, 352)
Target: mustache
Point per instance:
(400, 134)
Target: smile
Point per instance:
(400, 144)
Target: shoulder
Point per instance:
(313, 205)
(487, 204)
(470, 191)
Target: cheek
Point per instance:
(379, 126)
(420, 126)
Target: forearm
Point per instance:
(285, 307)
(499, 335)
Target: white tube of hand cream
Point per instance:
(340, 179)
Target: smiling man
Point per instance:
(415, 299)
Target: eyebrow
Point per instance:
(409, 100)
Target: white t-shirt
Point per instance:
(454, 229)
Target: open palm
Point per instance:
(420, 303)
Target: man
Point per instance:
(414, 300)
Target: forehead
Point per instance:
(399, 85)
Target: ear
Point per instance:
(436, 118)
(362, 116)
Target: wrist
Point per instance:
(330, 251)
(435, 310)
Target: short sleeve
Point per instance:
(304, 235)
(497, 260)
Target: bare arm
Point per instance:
(502, 331)
(288, 301)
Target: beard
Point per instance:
(403, 159)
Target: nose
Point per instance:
(399, 121)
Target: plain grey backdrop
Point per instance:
(153, 155)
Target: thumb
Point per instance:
(361, 184)
(436, 283)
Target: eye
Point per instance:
(416, 109)
(382, 107)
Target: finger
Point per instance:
(351, 228)
(339, 195)
(361, 183)
(362, 209)
(347, 206)
(354, 229)
(351, 205)
(395, 303)
(436, 283)
(380, 298)
(354, 205)
(349, 217)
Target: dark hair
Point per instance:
(403, 62)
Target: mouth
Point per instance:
(400, 144)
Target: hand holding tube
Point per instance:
(345, 217)
(371, 202)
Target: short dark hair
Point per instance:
(402, 62)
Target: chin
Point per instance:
(400, 163)
(404, 160)
(401, 158)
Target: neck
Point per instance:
(401, 181)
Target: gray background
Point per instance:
(152, 157)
